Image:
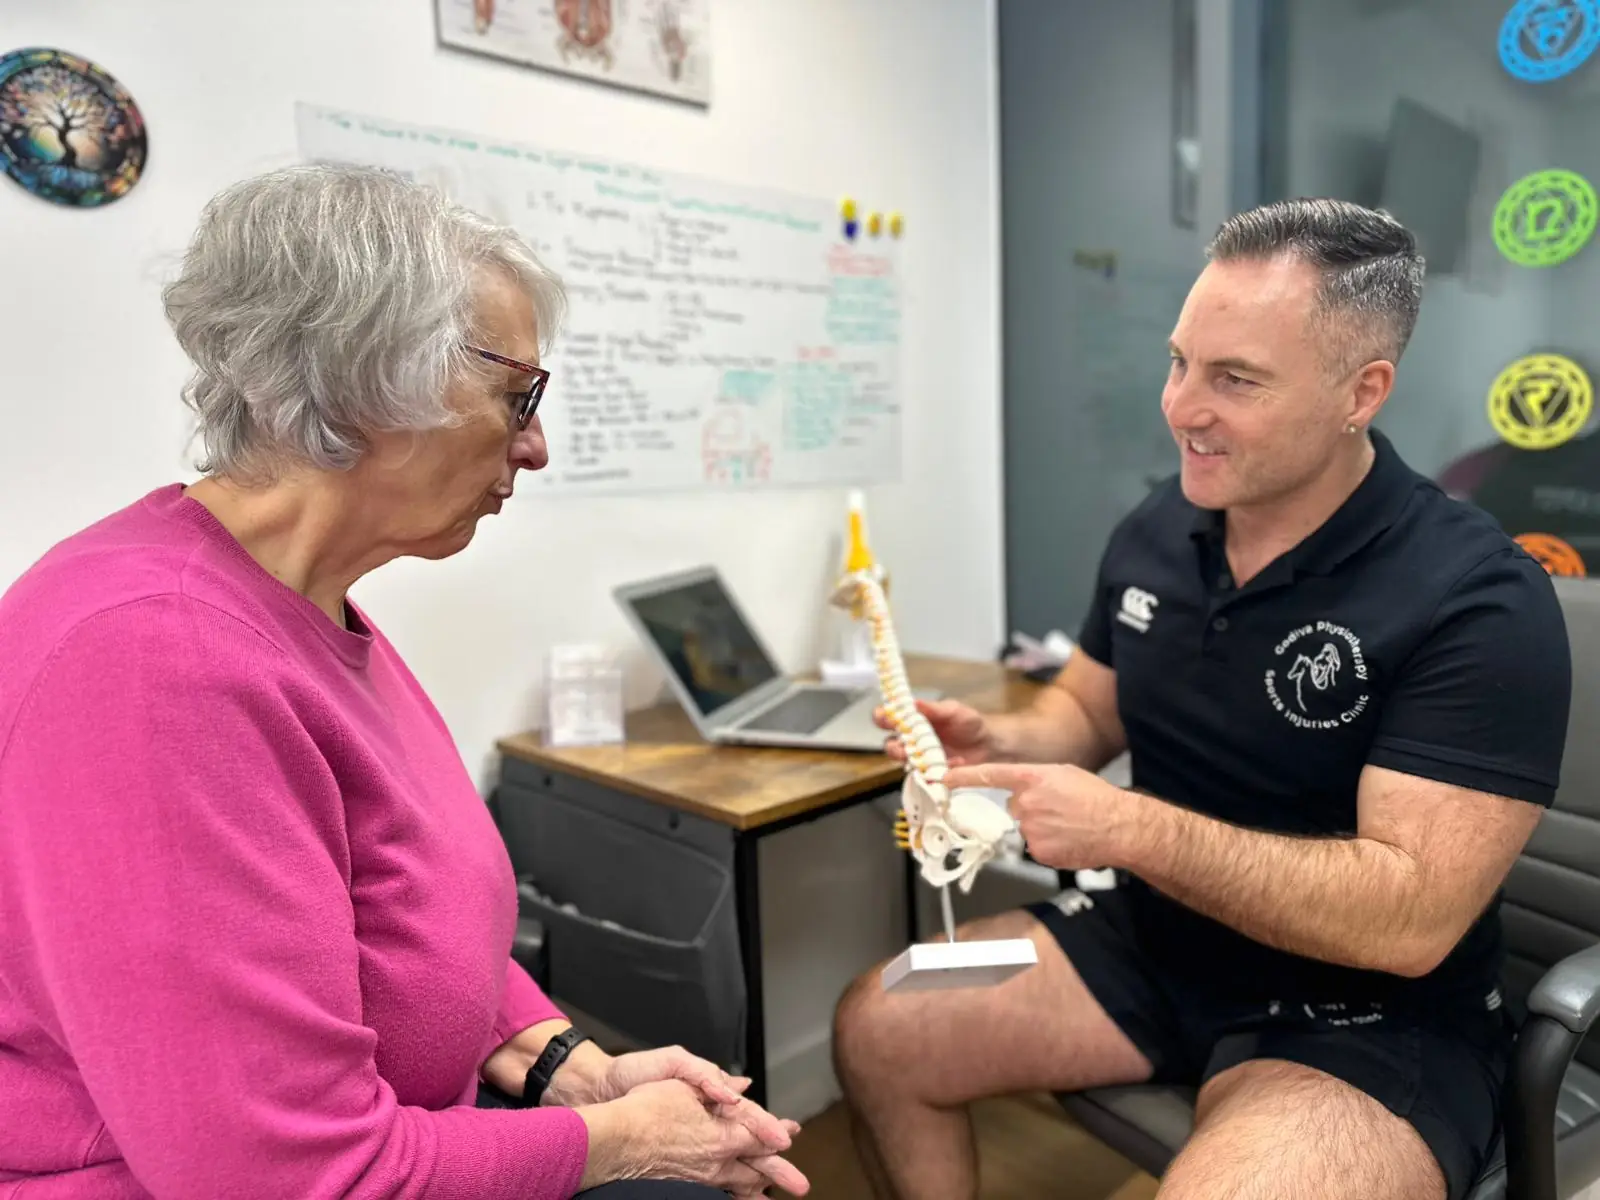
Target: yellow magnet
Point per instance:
(875, 224)
(896, 224)
(847, 209)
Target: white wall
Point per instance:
(889, 99)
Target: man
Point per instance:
(1346, 699)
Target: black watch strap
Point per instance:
(548, 1063)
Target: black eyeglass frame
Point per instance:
(527, 402)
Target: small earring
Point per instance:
(1351, 428)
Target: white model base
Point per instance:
(849, 674)
(929, 965)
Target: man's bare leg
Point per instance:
(909, 1064)
(1273, 1130)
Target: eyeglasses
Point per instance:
(528, 401)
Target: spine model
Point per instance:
(951, 835)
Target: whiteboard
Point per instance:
(661, 46)
(717, 337)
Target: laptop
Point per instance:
(727, 681)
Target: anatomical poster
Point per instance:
(659, 46)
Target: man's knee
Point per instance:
(880, 1038)
(876, 1034)
(863, 1031)
(1271, 1128)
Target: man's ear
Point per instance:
(1369, 390)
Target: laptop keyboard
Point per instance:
(803, 712)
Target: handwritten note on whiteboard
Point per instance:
(717, 336)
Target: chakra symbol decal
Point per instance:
(1541, 40)
(1540, 401)
(1545, 218)
(1554, 555)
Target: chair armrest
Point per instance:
(1561, 1008)
(1570, 991)
(1544, 1050)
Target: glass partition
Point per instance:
(1473, 121)
(1130, 130)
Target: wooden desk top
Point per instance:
(666, 760)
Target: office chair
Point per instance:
(1549, 1145)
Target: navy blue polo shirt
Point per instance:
(1408, 632)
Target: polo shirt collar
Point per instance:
(1370, 510)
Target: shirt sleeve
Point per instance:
(1094, 634)
(179, 886)
(1483, 702)
(522, 1004)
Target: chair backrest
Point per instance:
(1551, 904)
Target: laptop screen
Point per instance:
(705, 641)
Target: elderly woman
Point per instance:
(255, 920)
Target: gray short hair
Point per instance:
(1371, 271)
(322, 304)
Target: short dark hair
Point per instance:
(1371, 271)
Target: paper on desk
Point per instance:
(583, 696)
(1030, 653)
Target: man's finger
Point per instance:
(1006, 776)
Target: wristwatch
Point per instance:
(548, 1063)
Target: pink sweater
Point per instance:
(255, 920)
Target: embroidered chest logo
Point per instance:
(1318, 677)
(1138, 608)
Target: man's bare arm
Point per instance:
(1425, 862)
(1073, 720)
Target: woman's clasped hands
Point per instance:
(667, 1114)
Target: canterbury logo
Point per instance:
(1138, 607)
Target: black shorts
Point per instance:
(1442, 1076)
